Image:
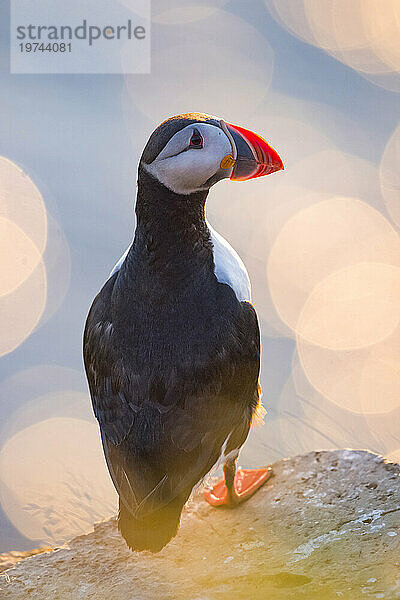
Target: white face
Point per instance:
(191, 158)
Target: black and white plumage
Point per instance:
(171, 344)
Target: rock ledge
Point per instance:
(326, 526)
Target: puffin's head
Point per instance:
(191, 152)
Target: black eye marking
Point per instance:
(196, 141)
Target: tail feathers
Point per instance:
(153, 531)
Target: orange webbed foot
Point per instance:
(246, 483)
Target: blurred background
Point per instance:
(319, 79)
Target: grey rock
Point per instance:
(326, 526)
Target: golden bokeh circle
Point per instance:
(18, 256)
(352, 308)
(53, 480)
(362, 34)
(321, 239)
(364, 380)
(21, 310)
(21, 202)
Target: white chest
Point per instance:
(228, 266)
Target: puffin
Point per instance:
(171, 343)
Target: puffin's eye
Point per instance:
(196, 141)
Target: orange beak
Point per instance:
(254, 156)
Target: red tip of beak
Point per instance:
(256, 158)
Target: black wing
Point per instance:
(163, 428)
(104, 370)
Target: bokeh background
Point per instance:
(319, 79)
